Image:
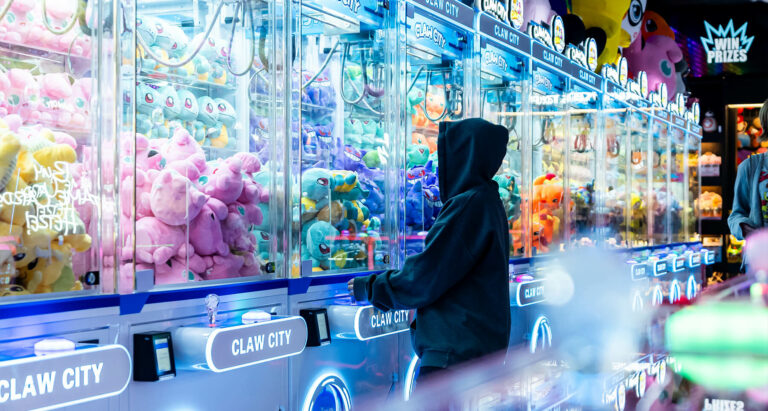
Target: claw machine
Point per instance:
(344, 196)
(584, 147)
(660, 162)
(549, 138)
(504, 82)
(617, 159)
(678, 178)
(641, 162)
(692, 224)
(435, 48)
(199, 198)
(55, 295)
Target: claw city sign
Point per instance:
(726, 44)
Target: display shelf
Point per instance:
(9, 49)
(184, 81)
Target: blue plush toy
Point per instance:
(510, 195)
(417, 210)
(150, 119)
(316, 186)
(318, 244)
(418, 155)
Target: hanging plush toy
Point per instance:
(631, 27)
(603, 19)
(657, 57)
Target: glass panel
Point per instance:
(677, 184)
(49, 214)
(435, 83)
(659, 157)
(501, 103)
(346, 221)
(694, 188)
(582, 158)
(617, 184)
(197, 175)
(548, 130)
(640, 164)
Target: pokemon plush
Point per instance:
(632, 25)
(157, 242)
(205, 232)
(603, 20)
(209, 118)
(417, 155)
(174, 200)
(225, 118)
(225, 181)
(319, 238)
(657, 58)
(23, 95)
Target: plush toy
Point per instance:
(174, 200)
(205, 232)
(510, 195)
(225, 181)
(182, 146)
(23, 95)
(319, 238)
(226, 118)
(171, 103)
(209, 118)
(157, 242)
(149, 112)
(537, 11)
(632, 25)
(603, 19)
(225, 267)
(18, 25)
(250, 162)
(316, 186)
(55, 94)
(417, 209)
(420, 139)
(353, 132)
(417, 155)
(547, 192)
(213, 50)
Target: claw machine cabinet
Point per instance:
(658, 215)
(55, 295)
(641, 161)
(504, 84)
(584, 147)
(692, 213)
(614, 217)
(435, 62)
(549, 137)
(678, 178)
(345, 194)
(198, 168)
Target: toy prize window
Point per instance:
(49, 207)
(640, 163)
(346, 158)
(694, 187)
(582, 158)
(616, 184)
(197, 175)
(548, 134)
(660, 195)
(678, 184)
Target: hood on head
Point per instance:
(470, 153)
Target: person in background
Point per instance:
(459, 284)
(750, 190)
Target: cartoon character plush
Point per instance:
(418, 210)
(225, 118)
(658, 59)
(603, 19)
(421, 139)
(225, 181)
(205, 231)
(509, 194)
(417, 155)
(157, 242)
(209, 118)
(316, 188)
(632, 25)
(319, 238)
(23, 95)
(174, 200)
(170, 103)
(149, 112)
(181, 146)
(213, 49)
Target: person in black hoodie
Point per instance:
(459, 284)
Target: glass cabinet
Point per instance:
(616, 186)
(693, 144)
(659, 157)
(435, 66)
(678, 182)
(344, 195)
(198, 156)
(641, 159)
(50, 89)
(504, 83)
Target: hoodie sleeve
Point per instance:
(425, 277)
(741, 199)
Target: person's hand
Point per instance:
(746, 230)
(351, 287)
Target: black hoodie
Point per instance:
(459, 284)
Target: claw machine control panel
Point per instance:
(504, 83)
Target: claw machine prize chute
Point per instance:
(434, 48)
(549, 119)
(197, 166)
(504, 80)
(342, 125)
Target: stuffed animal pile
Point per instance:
(45, 207)
(194, 219)
(23, 24)
(51, 99)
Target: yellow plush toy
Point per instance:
(602, 19)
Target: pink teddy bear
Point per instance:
(174, 200)
(225, 182)
(205, 231)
